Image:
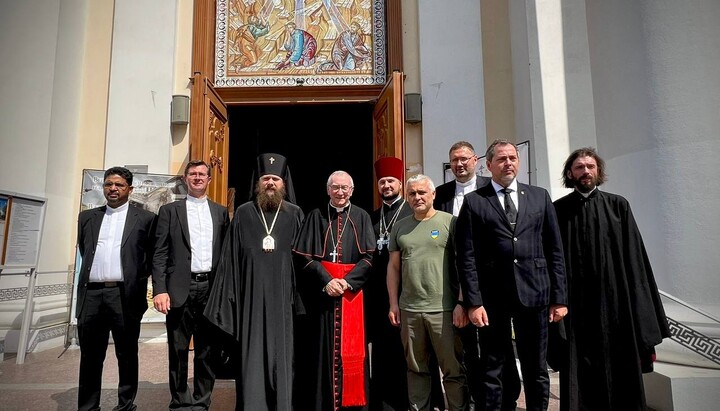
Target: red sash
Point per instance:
(352, 340)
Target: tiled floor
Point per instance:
(46, 382)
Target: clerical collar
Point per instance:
(390, 204)
(196, 200)
(512, 186)
(121, 208)
(586, 195)
(471, 182)
(339, 209)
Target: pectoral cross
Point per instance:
(382, 242)
(334, 255)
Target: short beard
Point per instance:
(268, 202)
(585, 188)
(390, 198)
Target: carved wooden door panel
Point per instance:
(389, 123)
(213, 145)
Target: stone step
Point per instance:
(673, 387)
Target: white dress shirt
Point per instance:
(107, 264)
(201, 234)
(501, 196)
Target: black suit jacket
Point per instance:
(135, 255)
(171, 262)
(445, 194)
(490, 255)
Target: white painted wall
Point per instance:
(41, 63)
(553, 88)
(657, 99)
(451, 79)
(41, 47)
(28, 44)
(141, 84)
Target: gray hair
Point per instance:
(337, 174)
(420, 177)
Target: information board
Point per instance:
(21, 222)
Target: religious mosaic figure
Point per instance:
(300, 45)
(349, 51)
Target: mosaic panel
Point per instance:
(276, 43)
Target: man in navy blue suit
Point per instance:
(449, 197)
(511, 267)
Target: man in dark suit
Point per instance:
(510, 263)
(188, 241)
(449, 197)
(115, 243)
(463, 161)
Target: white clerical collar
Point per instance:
(339, 209)
(586, 195)
(196, 200)
(468, 183)
(124, 207)
(512, 186)
(398, 198)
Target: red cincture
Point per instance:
(348, 344)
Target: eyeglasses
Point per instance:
(461, 160)
(344, 189)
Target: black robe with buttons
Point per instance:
(318, 368)
(615, 314)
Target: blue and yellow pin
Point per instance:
(434, 234)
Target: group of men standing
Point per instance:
(454, 279)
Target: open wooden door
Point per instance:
(389, 123)
(210, 139)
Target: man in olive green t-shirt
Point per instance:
(428, 309)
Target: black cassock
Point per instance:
(615, 316)
(318, 360)
(253, 299)
(388, 386)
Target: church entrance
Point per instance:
(317, 139)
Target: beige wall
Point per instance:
(411, 68)
(497, 70)
(182, 72)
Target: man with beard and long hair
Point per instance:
(253, 298)
(615, 317)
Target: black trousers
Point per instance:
(476, 375)
(388, 383)
(531, 333)
(101, 315)
(182, 323)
